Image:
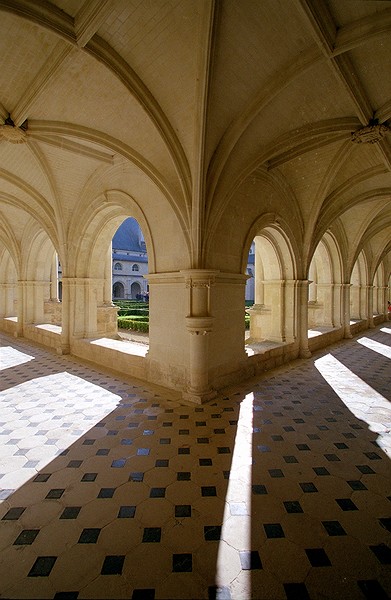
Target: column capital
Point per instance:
(199, 325)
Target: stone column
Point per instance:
(54, 279)
(302, 303)
(371, 323)
(346, 310)
(199, 324)
(64, 347)
(84, 294)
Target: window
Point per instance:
(118, 266)
(135, 268)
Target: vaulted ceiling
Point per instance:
(195, 98)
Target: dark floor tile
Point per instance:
(318, 557)
(290, 459)
(372, 456)
(74, 464)
(41, 477)
(332, 457)
(126, 442)
(321, 471)
(106, 493)
(152, 534)
(13, 514)
(357, 485)
(70, 512)
(259, 489)
(42, 566)
(183, 510)
(262, 448)
(386, 523)
(137, 476)
(216, 592)
(382, 553)
(26, 537)
(182, 563)
(250, 560)
(54, 494)
(212, 532)
(273, 530)
(333, 528)
(118, 463)
(89, 477)
(89, 536)
(143, 451)
(346, 504)
(112, 565)
(293, 506)
(208, 490)
(276, 473)
(126, 512)
(308, 487)
(296, 591)
(366, 470)
(143, 594)
(157, 492)
(372, 590)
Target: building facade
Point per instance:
(130, 262)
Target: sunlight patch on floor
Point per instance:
(376, 346)
(360, 398)
(10, 357)
(43, 417)
(122, 346)
(236, 527)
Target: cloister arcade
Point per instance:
(209, 148)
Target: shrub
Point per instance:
(137, 323)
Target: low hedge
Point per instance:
(127, 312)
(136, 323)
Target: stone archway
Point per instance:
(135, 290)
(118, 290)
(271, 317)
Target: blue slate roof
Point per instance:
(128, 237)
(130, 257)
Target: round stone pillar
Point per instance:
(302, 298)
(199, 390)
(199, 324)
(346, 310)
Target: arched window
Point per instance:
(135, 268)
(118, 266)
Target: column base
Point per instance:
(199, 397)
(305, 353)
(63, 349)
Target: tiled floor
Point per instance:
(279, 489)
